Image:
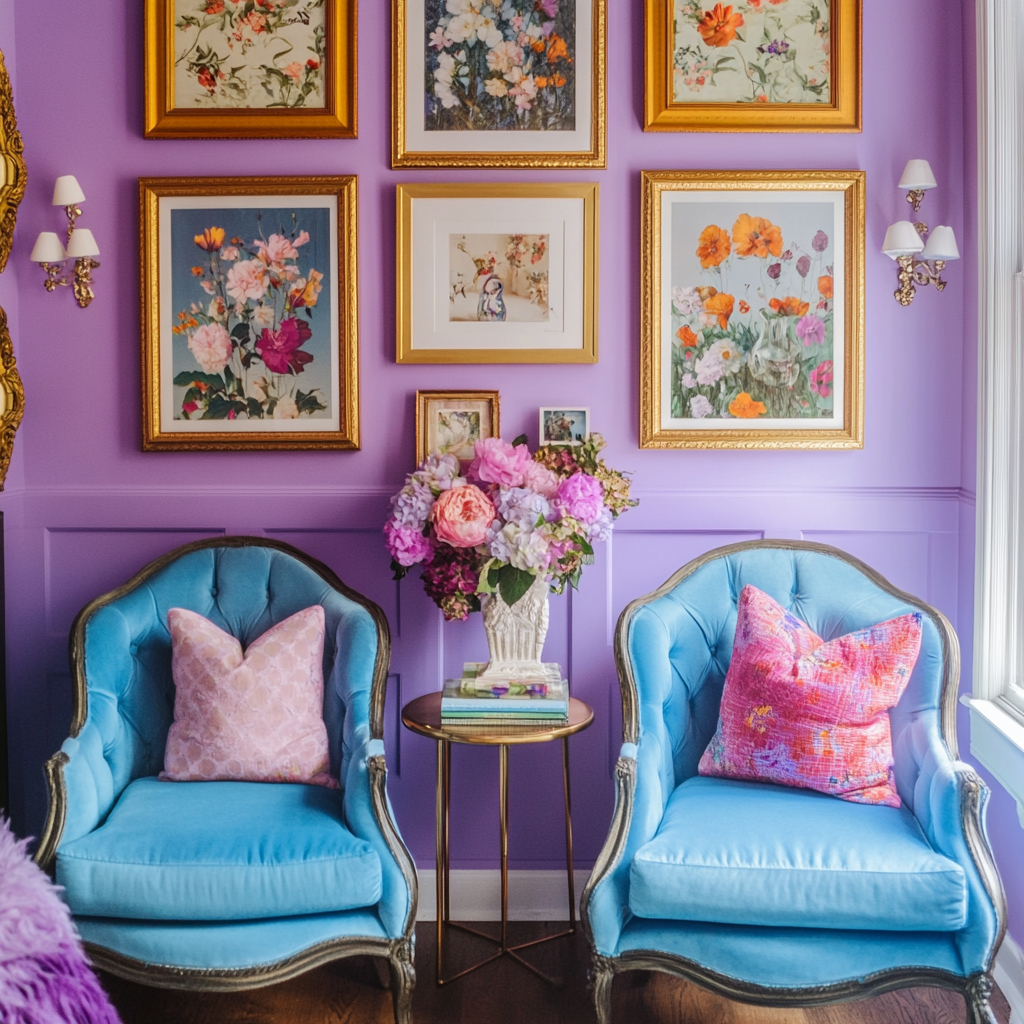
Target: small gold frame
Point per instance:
(595, 157)
(488, 403)
(663, 114)
(337, 119)
(653, 185)
(406, 194)
(12, 398)
(13, 174)
(154, 438)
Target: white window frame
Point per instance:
(997, 720)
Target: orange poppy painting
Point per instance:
(752, 310)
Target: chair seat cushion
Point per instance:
(219, 851)
(754, 853)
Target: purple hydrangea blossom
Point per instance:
(580, 496)
(520, 545)
(439, 473)
(601, 527)
(522, 505)
(406, 545)
(411, 506)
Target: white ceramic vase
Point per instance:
(515, 634)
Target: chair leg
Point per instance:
(976, 995)
(403, 981)
(601, 977)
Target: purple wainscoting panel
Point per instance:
(83, 564)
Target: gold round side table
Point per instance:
(423, 716)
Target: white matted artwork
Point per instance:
(564, 425)
(497, 273)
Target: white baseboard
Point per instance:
(1009, 976)
(476, 895)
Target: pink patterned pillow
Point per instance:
(801, 712)
(252, 718)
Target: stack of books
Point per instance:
(470, 702)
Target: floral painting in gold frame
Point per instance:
(752, 65)
(451, 422)
(752, 307)
(246, 70)
(498, 83)
(249, 319)
(497, 273)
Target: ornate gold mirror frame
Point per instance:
(12, 191)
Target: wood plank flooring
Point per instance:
(349, 992)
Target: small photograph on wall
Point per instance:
(223, 68)
(451, 422)
(559, 425)
(502, 273)
(499, 83)
(758, 65)
(754, 310)
(249, 309)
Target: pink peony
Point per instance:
(406, 545)
(247, 280)
(279, 349)
(211, 345)
(540, 479)
(810, 330)
(280, 248)
(498, 462)
(461, 516)
(580, 496)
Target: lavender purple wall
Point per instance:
(89, 507)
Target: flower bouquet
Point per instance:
(515, 526)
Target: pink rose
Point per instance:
(498, 462)
(247, 280)
(280, 248)
(406, 545)
(540, 479)
(580, 496)
(211, 345)
(461, 516)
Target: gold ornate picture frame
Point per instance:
(13, 175)
(752, 309)
(752, 67)
(249, 313)
(224, 70)
(451, 422)
(523, 290)
(527, 90)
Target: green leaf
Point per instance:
(240, 332)
(521, 439)
(398, 570)
(254, 409)
(484, 585)
(184, 380)
(513, 583)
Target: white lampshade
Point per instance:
(48, 248)
(918, 175)
(941, 245)
(82, 244)
(67, 191)
(902, 239)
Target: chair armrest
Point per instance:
(368, 815)
(950, 801)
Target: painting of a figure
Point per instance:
(498, 278)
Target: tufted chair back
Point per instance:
(121, 652)
(674, 647)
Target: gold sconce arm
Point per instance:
(83, 280)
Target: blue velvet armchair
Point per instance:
(226, 885)
(780, 896)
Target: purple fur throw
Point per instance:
(44, 976)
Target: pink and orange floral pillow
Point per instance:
(253, 717)
(798, 711)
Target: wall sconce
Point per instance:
(49, 251)
(905, 239)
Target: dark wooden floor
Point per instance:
(349, 992)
